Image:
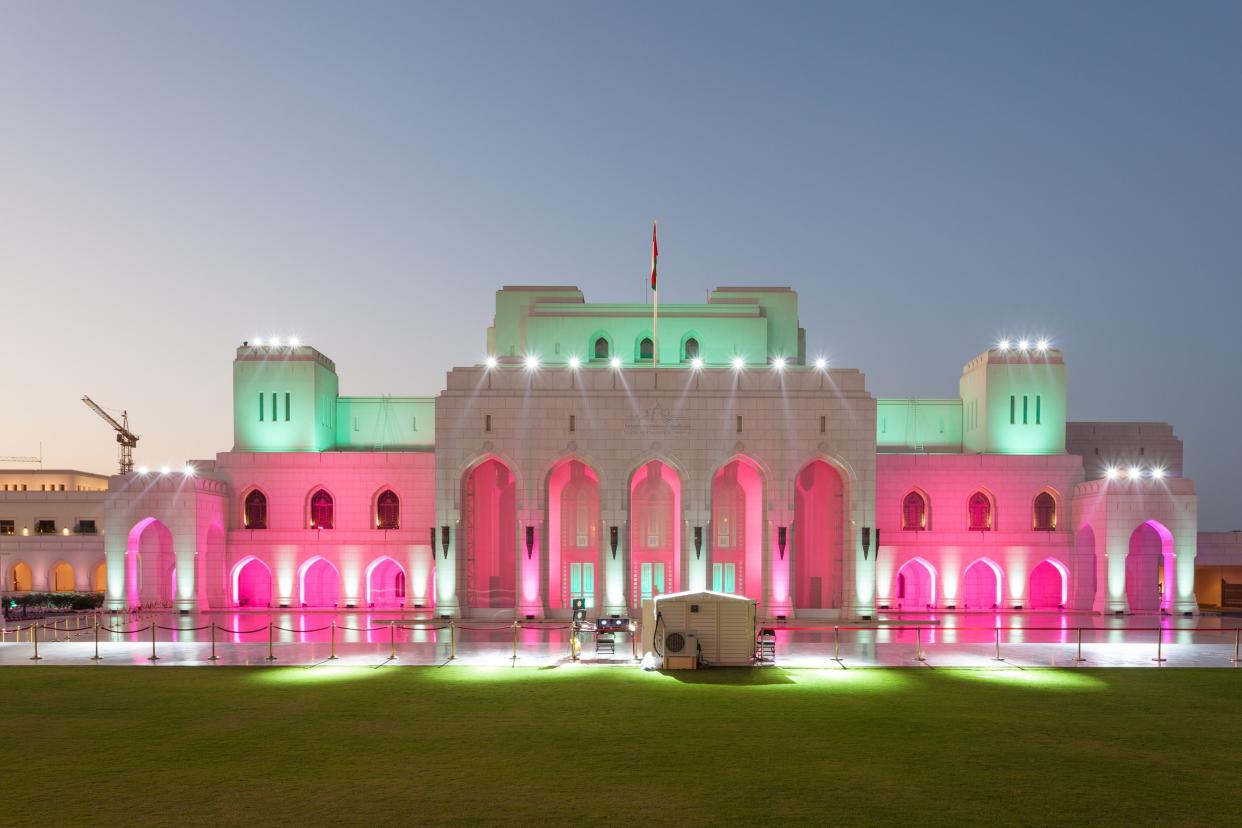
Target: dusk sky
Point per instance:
(175, 179)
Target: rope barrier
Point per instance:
(292, 630)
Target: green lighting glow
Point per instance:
(1044, 678)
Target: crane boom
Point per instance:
(126, 438)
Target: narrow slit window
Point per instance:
(260, 406)
(286, 406)
(739, 423)
(1037, 409)
(1025, 401)
(274, 408)
(572, 422)
(487, 422)
(823, 424)
(1013, 403)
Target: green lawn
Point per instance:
(604, 746)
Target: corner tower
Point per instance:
(284, 399)
(1013, 402)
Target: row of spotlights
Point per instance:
(1023, 345)
(532, 363)
(1133, 473)
(187, 470)
(276, 342)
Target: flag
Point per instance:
(655, 252)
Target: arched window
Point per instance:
(321, 510)
(387, 510)
(400, 582)
(646, 348)
(692, 348)
(601, 348)
(914, 512)
(254, 515)
(980, 507)
(1045, 512)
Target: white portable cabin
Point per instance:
(715, 628)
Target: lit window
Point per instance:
(646, 349)
(914, 512)
(1045, 512)
(601, 348)
(321, 510)
(692, 348)
(387, 510)
(980, 512)
(255, 511)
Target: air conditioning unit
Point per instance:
(681, 650)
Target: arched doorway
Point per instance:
(819, 528)
(22, 578)
(99, 578)
(1149, 567)
(385, 583)
(736, 535)
(62, 577)
(916, 585)
(1049, 585)
(655, 532)
(319, 584)
(151, 564)
(981, 588)
(251, 583)
(574, 570)
(489, 519)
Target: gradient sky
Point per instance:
(929, 177)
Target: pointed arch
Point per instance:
(916, 585)
(319, 583)
(320, 508)
(981, 511)
(735, 541)
(151, 564)
(489, 534)
(691, 346)
(60, 577)
(574, 565)
(644, 347)
(1150, 569)
(386, 508)
(250, 583)
(21, 577)
(386, 582)
(600, 347)
(254, 508)
(915, 510)
(1045, 509)
(821, 510)
(655, 510)
(99, 577)
(981, 584)
(1048, 586)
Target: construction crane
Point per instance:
(126, 438)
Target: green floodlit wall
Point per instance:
(912, 425)
(297, 412)
(556, 323)
(385, 423)
(989, 383)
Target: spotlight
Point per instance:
(275, 342)
(1003, 345)
(574, 363)
(490, 362)
(258, 341)
(1111, 473)
(1134, 473)
(696, 363)
(821, 364)
(1024, 345)
(1157, 473)
(294, 342)
(1042, 345)
(532, 362)
(615, 362)
(164, 469)
(738, 363)
(143, 470)
(188, 471)
(779, 363)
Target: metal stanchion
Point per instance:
(213, 657)
(153, 657)
(998, 655)
(515, 629)
(1159, 642)
(270, 635)
(332, 643)
(1237, 646)
(836, 644)
(634, 640)
(34, 634)
(452, 640)
(96, 656)
(392, 640)
(918, 644)
(1080, 659)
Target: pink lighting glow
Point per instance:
(818, 535)
(252, 583)
(916, 585)
(489, 521)
(386, 586)
(981, 585)
(736, 532)
(1049, 587)
(319, 583)
(574, 568)
(655, 532)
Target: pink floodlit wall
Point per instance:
(916, 586)
(981, 586)
(319, 584)
(1049, 588)
(1149, 568)
(737, 530)
(150, 565)
(655, 532)
(573, 535)
(819, 497)
(252, 584)
(386, 584)
(489, 521)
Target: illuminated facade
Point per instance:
(585, 460)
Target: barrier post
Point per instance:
(918, 644)
(270, 635)
(153, 657)
(332, 643)
(997, 657)
(515, 629)
(1080, 659)
(95, 657)
(1237, 646)
(452, 640)
(1159, 642)
(634, 640)
(34, 634)
(213, 656)
(392, 640)
(836, 643)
